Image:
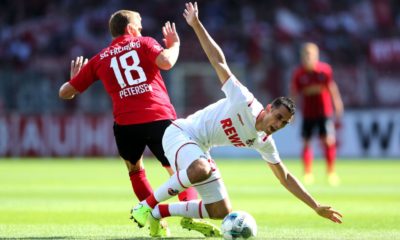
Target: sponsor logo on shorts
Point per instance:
(173, 192)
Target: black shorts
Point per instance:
(132, 140)
(324, 125)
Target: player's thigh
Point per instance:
(154, 140)
(180, 149)
(307, 128)
(326, 127)
(130, 142)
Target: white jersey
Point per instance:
(231, 122)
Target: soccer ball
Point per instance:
(239, 224)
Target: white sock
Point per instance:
(156, 212)
(176, 184)
(191, 209)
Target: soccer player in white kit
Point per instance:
(237, 120)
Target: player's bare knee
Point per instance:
(330, 141)
(326, 140)
(134, 167)
(306, 142)
(199, 170)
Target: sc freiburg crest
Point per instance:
(250, 142)
(173, 192)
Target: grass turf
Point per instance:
(91, 199)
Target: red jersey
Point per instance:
(131, 77)
(312, 87)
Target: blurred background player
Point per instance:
(129, 69)
(314, 86)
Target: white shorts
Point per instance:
(181, 150)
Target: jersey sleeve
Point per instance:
(269, 152)
(235, 92)
(153, 48)
(85, 77)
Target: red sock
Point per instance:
(307, 159)
(140, 184)
(188, 194)
(151, 201)
(164, 210)
(330, 156)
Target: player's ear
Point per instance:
(268, 108)
(128, 29)
(131, 29)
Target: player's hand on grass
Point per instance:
(191, 13)
(76, 65)
(329, 213)
(170, 34)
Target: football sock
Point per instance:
(307, 159)
(161, 211)
(175, 184)
(188, 194)
(140, 184)
(190, 209)
(330, 156)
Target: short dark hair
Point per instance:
(285, 101)
(118, 22)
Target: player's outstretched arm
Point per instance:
(168, 57)
(297, 189)
(210, 47)
(67, 91)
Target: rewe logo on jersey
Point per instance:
(231, 133)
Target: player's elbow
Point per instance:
(166, 60)
(66, 91)
(166, 65)
(218, 61)
(288, 181)
(283, 179)
(284, 183)
(222, 70)
(64, 95)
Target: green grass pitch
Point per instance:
(91, 199)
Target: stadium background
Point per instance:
(261, 39)
(78, 188)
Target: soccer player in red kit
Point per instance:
(129, 69)
(313, 84)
